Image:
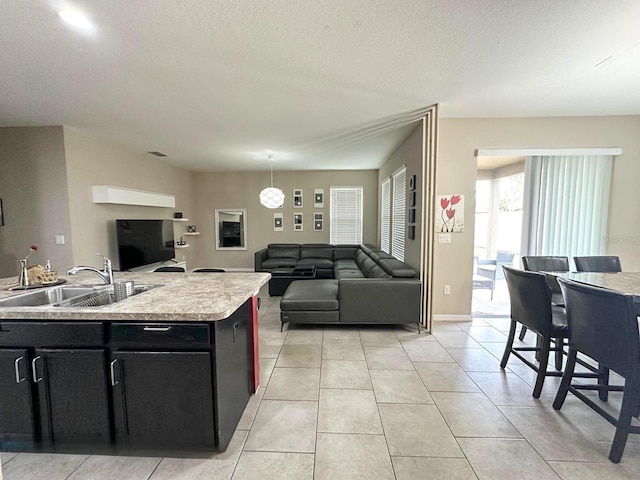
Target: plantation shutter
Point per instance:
(399, 209)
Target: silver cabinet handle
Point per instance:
(157, 329)
(114, 382)
(17, 368)
(34, 369)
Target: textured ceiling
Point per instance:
(219, 84)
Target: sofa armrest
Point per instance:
(259, 257)
(378, 300)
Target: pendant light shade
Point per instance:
(272, 197)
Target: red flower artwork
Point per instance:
(448, 213)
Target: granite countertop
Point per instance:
(183, 297)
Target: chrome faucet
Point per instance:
(106, 274)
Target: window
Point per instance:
(399, 209)
(345, 221)
(385, 216)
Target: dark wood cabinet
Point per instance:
(17, 422)
(73, 396)
(163, 399)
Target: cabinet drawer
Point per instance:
(159, 335)
(54, 334)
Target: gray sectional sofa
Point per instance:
(354, 284)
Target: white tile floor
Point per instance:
(382, 403)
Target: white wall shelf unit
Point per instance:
(182, 246)
(180, 219)
(127, 196)
(191, 233)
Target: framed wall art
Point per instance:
(297, 198)
(297, 222)
(1, 214)
(412, 215)
(412, 232)
(318, 221)
(412, 182)
(449, 213)
(318, 198)
(278, 225)
(412, 199)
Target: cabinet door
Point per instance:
(73, 394)
(233, 371)
(16, 404)
(163, 399)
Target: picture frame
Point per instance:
(412, 199)
(1, 214)
(412, 182)
(318, 198)
(412, 232)
(412, 215)
(278, 222)
(297, 198)
(318, 221)
(297, 222)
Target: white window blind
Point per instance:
(385, 216)
(399, 209)
(569, 204)
(345, 221)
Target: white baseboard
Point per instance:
(452, 318)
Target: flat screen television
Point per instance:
(141, 242)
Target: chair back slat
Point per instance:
(605, 263)
(530, 299)
(603, 325)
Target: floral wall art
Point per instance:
(450, 217)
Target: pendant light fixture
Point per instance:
(272, 197)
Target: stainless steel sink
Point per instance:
(48, 296)
(70, 296)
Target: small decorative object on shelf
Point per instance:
(181, 242)
(191, 228)
(177, 215)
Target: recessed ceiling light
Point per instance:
(76, 19)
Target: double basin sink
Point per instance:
(71, 296)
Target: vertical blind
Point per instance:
(569, 204)
(345, 220)
(385, 216)
(398, 222)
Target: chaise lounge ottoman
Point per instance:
(311, 301)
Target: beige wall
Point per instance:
(458, 139)
(237, 190)
(409, 153)
(94, 161)
(33, 189)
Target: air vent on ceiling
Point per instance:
(158, 154)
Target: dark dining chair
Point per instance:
(169, 269)
(603, 326)
(605, 263)
(531, 306)
(546, 264)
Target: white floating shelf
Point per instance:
(191, 233)
(180, 219)
(127, 196)
(182, 246)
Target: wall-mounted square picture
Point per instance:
(278, 225)
(297, 198)
(412, 215)
(318, 198)
(412, 232)
(318, 221)
(297, 222)
(412, 199)
(412, 182)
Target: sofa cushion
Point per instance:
(397, 269)
(360, 258)
(345, 251)
(314, 250)
(367, 266)
(318, 262)
(271, 263)
(377, 272)
(311, 295)
(280, 250)
(345, 264)
(378, 255)
(341, 274)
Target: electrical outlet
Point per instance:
(59, 239)
(447, 289)
(444, 238)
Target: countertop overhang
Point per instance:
(182, 297)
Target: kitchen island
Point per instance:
(170, 368)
